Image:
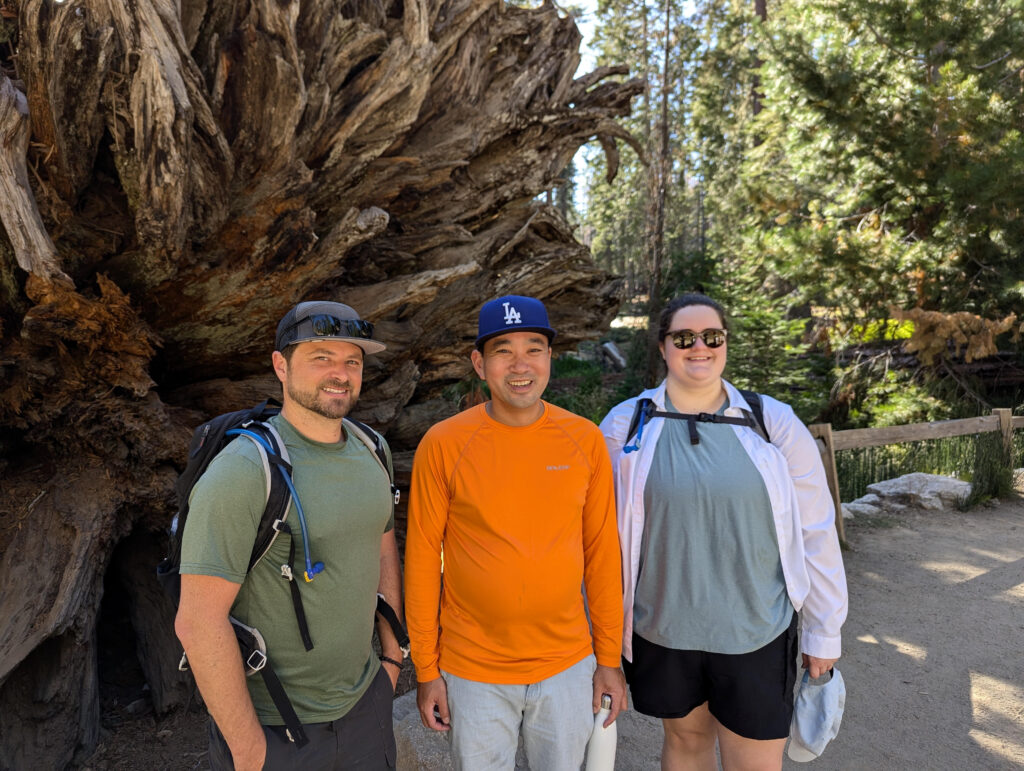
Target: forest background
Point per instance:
(843, 176)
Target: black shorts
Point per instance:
(751, 694)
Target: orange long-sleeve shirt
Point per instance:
(526, 519)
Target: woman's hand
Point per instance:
(817, 667)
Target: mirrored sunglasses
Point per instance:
(322, 325)
(687, 338)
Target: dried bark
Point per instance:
(174, 175)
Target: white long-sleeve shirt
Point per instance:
(802, 508)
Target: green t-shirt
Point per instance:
(346, 500)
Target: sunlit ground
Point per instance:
(934, 644)
(901, 646)
(998, 712)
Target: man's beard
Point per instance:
(326, 407)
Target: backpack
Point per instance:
(207, 441)
(645, 410)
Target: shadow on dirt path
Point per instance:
(933, 658)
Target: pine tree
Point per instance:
(892, 149)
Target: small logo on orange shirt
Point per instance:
(558, 468)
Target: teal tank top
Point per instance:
(710, 572)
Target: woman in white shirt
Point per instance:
(727, 533)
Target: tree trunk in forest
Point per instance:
(174, 175)
(756, 96)
(657, 180)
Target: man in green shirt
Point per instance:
(340, 692)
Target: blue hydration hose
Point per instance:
(639, 433)
(311, 569)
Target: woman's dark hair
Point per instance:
(685, 301)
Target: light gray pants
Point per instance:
(556, 717)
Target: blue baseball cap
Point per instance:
(817, 715)
(512, 313)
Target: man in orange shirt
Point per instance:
(513, 501)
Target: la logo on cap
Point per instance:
(511, 314)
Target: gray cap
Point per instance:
(325, 320)
(817, 715)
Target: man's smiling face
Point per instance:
(322, 376)
(517, 367)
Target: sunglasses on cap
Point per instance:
(687, 338)
(323, 325)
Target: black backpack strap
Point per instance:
(692, 419)
(254, 656)
(206, 442)
(278, 496)
(275, 514)
(385, 611)
(284, 706)
(757, 409)
(645, 410)
(288, 572)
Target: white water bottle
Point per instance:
(601, 747)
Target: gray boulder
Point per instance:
(858, 509)
(925, 491)
(870, 499)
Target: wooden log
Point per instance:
(876, 437)
(32, 246)
(50, 706)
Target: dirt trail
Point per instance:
(933, 657)
(933, 653)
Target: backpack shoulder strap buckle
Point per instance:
(256, 661)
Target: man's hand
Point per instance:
(430, 695)
(817, 667)
(610, 680)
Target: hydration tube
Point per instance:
(640, 432)
(311, 569)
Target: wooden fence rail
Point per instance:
(830, 441)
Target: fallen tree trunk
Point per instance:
(174, 175)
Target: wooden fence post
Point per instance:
(822, 432)
(1006, 426)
